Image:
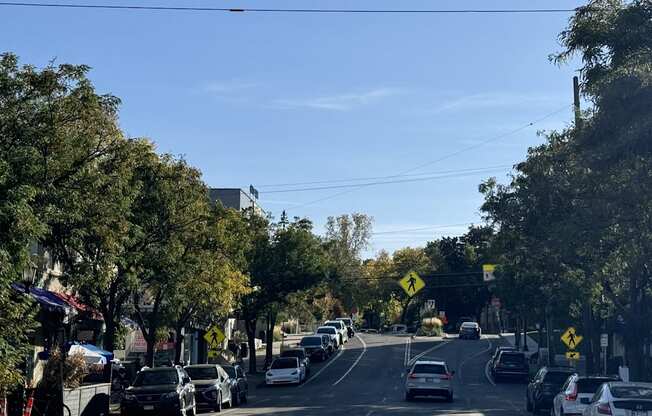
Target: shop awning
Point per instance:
(48, 300)
(75, 303)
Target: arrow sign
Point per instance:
(572, 355)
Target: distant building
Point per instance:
(235, 198)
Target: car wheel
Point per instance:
(244, 397)
(449, 397)
(408, 396)
(528, 404)
(535, 411)
(193, 410)
(235, 399)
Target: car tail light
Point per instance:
(604, 409)
(413, 376)
(447, 376)
(571, 395)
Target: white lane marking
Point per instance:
(486, 373)
(407, 353)
(467, 359)
(428, 351)
(339, 354)
(364, 350)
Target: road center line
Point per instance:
(429, 350)
(364, 350)
(461, 365)
(339, 354)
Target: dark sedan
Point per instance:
(544, 387)
(510, 364)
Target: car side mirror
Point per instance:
(186, 380)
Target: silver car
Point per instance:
(212, 386)
(576, 394)
(429, 378)
(621, 399)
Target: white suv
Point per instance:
(332, 332)
(341, 329)
(429, 378)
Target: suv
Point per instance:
(544, 387)
(349, 326)
(429, 378)
(341, 328)
(332, 332)
(510, 364)
(212, 386)
(299, 353)
(317, 347)
(470, 330)
(576, 394)
(159, 391)
(239, 384)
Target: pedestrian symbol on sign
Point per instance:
(411, 283)
(571, 338)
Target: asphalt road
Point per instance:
(367, 379)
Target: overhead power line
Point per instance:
(428, 228)
(131, 7)
(458, 174)
(458, 152)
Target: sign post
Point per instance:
(604, 343)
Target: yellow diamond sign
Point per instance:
(571, 338)
(214, 337)
(572, 355)
(412, 283)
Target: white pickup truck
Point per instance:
(332, 332)
(341, 329)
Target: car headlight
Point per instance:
(129, 397)
(173, 395)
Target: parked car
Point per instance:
(239, 383)
(470, 330)
(429, 378)
(341, 328)
(621, 399)
(545, 385)
(160, 391)
(317, 347)
(285, 370)
(332, 332)
(576, 394)
(212, 386)
(331, 343)
(349, 326)
(498, 350)
(301, 354)
(510, 364)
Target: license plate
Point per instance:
(432, 380)
(639, 413)
(148, 407)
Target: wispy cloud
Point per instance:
(497, 100)
(339, 102)
(226, 87)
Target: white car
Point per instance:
(429, 378)
(576, 394)
(341, 328)
(333, 333)
(621, 399)
(286, 370)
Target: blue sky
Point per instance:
(265, 99)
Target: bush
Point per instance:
(74, 369)
(431, 327)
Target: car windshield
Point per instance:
(312, 341)
(293, 353)
(230, 371)
(513, 358)
(337, 324)
(202, 373)
(631, 392)
(556, 377)
(284, 363)
(590, 385)
(329, 330)
(429, 369)
(154, 378)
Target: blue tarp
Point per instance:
(90, 350)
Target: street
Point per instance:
(367, 379)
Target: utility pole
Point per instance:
(576, 102)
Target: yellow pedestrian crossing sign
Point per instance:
(572, 355)
(571, 338)
(214, 337)
(412, 283)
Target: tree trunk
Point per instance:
(108, 342)
(250, 327)
(179, 336)
(269, 350)
(525, 347)
(149, 356)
